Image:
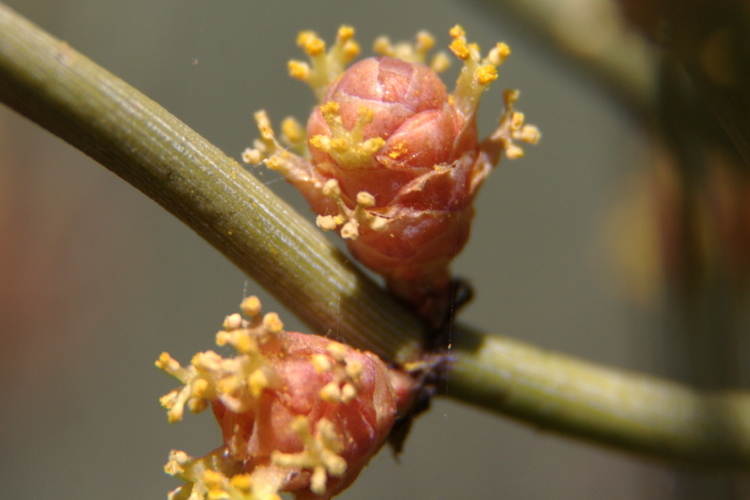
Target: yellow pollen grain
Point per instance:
(457, 31)
(486, 74)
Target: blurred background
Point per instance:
(567, 251)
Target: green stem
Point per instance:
(96, 112)
(70, 96)
(629, 411)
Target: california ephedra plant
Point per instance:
(392, 162)
(356, 398)
(390, 159)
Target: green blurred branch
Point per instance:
(48, 82)
(591, 35)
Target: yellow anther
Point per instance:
(298, 70)
(340, 144)
(251, 306)
(326, 222)
(330, 110)
(382, 45)
(264, 125)
(457, 31)
(241, 482)
(514, 152)
(232, 322)
(167, 362)
(486, 74)
(244, 344)
(350, 230)
(197, 405)
(321, 363)
(258, 382)
(321, 142)
(424, 41)
(371, 146)
(330, 393)
(530, 134)
(348, 393)
(351, 50)
(252, 156)
(337, 350)
(275, 163)
(345, 33)
(440, 62)
(499, 53)
(365, 199)
(365, 114)
(516, 120)
(213, 479)
(354, 370)
(331, 188)
(199, 388)
(311, 43)
(458, 47)
(272, 323)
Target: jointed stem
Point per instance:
(633, 412)
(70, 96)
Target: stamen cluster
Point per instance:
(393, 161)
(298, 412)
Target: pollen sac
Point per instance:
(389, 128)
(298, 413)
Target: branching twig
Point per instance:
(102, 116)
